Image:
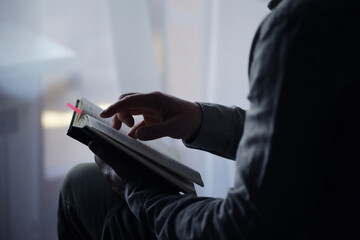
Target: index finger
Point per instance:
(130, 103)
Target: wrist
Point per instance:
(197, 122)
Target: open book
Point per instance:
(155, 155)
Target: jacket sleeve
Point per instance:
(220, 131)
(281, 159)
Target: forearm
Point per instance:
(220, 131)
(189, 217)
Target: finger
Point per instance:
(105, 154)
(133, 130)
(127, 94)
(95, 146)
(106, 170)
(132, 102)
(119, 119)
(125, 117)
(117, 183)
(101, 164)
(117, 161)
(116, 123)
(154, 131)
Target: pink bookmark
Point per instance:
(74, 108)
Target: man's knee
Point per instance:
(81, 202)
(85, 186)
(79, 178)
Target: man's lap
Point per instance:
(89, 209)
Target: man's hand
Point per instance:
(164, 115)
(118, 168)
(107, 160)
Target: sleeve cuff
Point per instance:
(220, 130)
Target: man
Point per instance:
(297, 148)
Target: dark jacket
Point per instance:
(297, 148)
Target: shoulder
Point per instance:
(302, 36)
(308, 25)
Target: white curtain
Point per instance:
(233, 24)
(194, 49)
(203, 57)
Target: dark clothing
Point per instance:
(298, 158)
(89, 209)
(297, 148)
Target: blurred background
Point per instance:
(55, 51)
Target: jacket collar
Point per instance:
(273, 3)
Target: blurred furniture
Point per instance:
(25, 57)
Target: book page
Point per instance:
(89, 108)
(145, 150)
(93, 110)
(185, 185)
(163, 148)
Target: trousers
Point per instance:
(90, 209)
